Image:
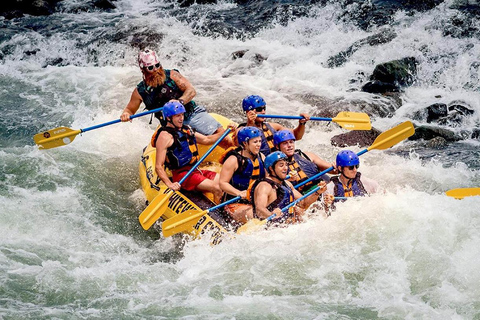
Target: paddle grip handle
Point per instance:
(141, 114)
(292, 117)
(204, 156)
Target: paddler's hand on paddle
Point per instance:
(242, 194)
(335, 170)
(305, 116)
(175, 186)
(328, 199)
(232, 126)
(278, 214)
(323, 187)
(126, 116)
(293, 175)
(251, 116)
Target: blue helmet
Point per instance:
(252, 102)
(347, 158)
(247, 133)
(172, 108)
(282, 135)
(273, 158)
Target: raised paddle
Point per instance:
(385, 140)
(62, 136)
(187, 219)
(160, 203)
(346, 119)
(461, 193)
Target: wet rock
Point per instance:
(13, 9)
(429, 132)
(436, 143)
(238, 54)
(375, 86)
(355, 138)
(436, 111)
(453, 119)
(381, 12)
(104, 4)
(475, 134)
(392, 76)
(58, 62)
(31, 52)
(141, 40)
(380, 38)
(461, 25)
(257, 58)
(461, 107)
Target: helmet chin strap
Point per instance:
(349, 180)
(246, 148)
(274, 174)
(169, 119)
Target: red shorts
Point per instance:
(194, 179)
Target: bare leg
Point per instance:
(212, 186)
(240, 212)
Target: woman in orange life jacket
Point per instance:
(350, 183)
(273, 193)
(241, 167)
(176, 148)
(302, 165)
(253, 105)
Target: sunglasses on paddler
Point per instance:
(353, 167)
(260, 109)
(152, 67)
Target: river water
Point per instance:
(71, 246)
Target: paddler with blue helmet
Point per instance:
(176, 148)
(253, 105)
(242, 166)
(350, 182)
(302, 165)
(271, 194)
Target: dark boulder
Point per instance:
(460, 107)
(257, 58)
(14, 9)
(104, 4)
(340, 58)
(475, 134)
(430, 132)
(392, 76)
(375, 86)
(355, 138)
(436, 143)
(436, 111)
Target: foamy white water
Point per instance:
(71, 245)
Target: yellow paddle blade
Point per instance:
(181, 222)
(252, 226)
(57, 137)
(461, 193)
(154, 210)
(353, 120)
(393, 136)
